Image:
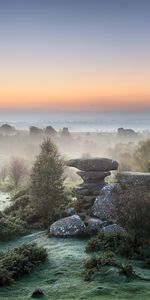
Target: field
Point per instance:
(62, 276)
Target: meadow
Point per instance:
(62, 277)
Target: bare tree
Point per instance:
(18, 170)
(3, 172)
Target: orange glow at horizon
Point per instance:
(71, 88)
(75, 55)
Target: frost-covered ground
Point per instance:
(62, 276)
(4, 200)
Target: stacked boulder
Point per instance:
(93, 172)
(96, 201)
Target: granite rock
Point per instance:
(68, 227)
(93, 164)
(105, 204)
(134, 178)
(114, 228)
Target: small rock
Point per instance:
(38, 292)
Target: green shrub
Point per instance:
(6, 186)
(11, 227)
(96, 266)
(17, 204)
(14, 264)
(122, 244)
(21, 191)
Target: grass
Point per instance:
(62, 276)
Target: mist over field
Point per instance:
(78, 121)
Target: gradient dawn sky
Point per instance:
(75, 54)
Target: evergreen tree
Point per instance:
(47, 190)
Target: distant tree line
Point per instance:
(7, 129)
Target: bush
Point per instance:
(96, 266)
(11, 227)
(121, 244)
(21, 191)
(14, 264)
(21, 213)
(133, 210)
(6, 186)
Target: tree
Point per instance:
(65, 133)
(50, 131)
(35, 131)
(47, 190)
(3, 172)
(18, 170)
(7, 129)
(142, 156)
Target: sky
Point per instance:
(75, 54)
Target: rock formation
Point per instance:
(105, 204)
(90, 218)
(93, 172)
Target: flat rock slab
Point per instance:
(134, 178)
(68, 227)
(93, 164)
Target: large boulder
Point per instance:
(105, 203)
(133, 178)
(93, 164)
(68, 227)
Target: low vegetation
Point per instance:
(122, 244)
(11, 227)
(108, 249)
(96, 266)
(14, 264)
(42, 201)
